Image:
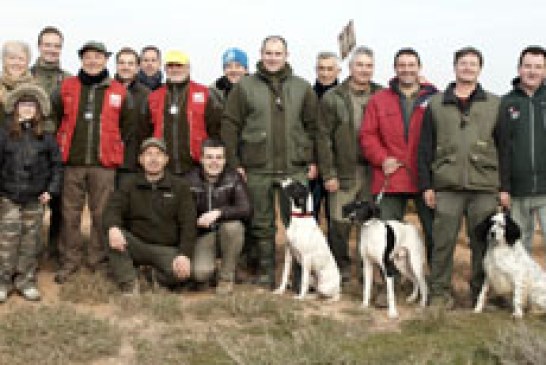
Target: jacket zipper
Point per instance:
(532, 144)
(209, 196)
(90, 132)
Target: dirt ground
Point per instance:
(352, 293)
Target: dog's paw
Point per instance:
(477, 310)
(299, 297)
(412, 298)
(517, 315)
(278, 291)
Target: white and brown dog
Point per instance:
(391, 245)
(509, 269)
(307, 244)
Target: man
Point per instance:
(235, 66)
(341, 163)
(182, 114)
(269, 127)
(47, 69)
(48, 73)
(127, 61)
(93, 118)
(390, 139)
(459, 170)
(327, 73)
(150, 68)
(150, 220)
(222, 204)
(523, 116)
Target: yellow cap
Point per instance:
(177, 57)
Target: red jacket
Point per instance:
(382, 135)
(195, 111)
(111, 148)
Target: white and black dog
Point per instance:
(509, 269)
(391, 245)
(306, 242)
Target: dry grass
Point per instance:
(88, 288)
(160, 306)
(55, 335)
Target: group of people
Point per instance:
(177, 174)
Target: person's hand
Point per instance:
(208, 218)
(44, 198)
(430, 198)
(182, 267)
(116, 239)
(242, 172)
(332, 185)
(312, 172)
(504, 199)
(390, 165)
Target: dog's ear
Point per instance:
(512, 230)
(483, 228)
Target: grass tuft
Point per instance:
(88, 288)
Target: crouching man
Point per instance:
(150, 220)
(222, 204)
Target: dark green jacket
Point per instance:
(161, 213)
(458, 145)
(339, 151)
(523, 118)
(84, 147)
(48, 76)
(269, 122)
(175, 127)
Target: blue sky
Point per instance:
(204, 29)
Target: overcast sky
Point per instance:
(204, 29)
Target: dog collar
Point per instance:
(302, 215)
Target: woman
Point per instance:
(15, 60)
(30, 173)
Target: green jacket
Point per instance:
(161, 213)
(523, 118)
(339, 152)
(269, 122)
(84, 147)
(48, 76)
(458, 146)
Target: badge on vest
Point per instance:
(115, 100)
(514, 113)
(173, 110)
(198, 97)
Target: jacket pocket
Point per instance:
(303, 150)
(444, 167)
(484, 166)
(254, 149)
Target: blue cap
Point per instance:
(235, 55)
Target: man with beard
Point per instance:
(150, 74)
(150, 220)
(93, 117)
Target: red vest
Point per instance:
(195, 111)
(111, 149)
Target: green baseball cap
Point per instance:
(94, 45)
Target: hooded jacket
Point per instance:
(383, 134)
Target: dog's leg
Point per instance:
(393, 313)
(367, 269)
(305, 274)
(285, 271)
(519, 290)
(482, 297)
(417, 265)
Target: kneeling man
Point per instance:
(222, 204)
(150, 220)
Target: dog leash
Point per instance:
(386, 182)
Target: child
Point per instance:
(30, 173)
